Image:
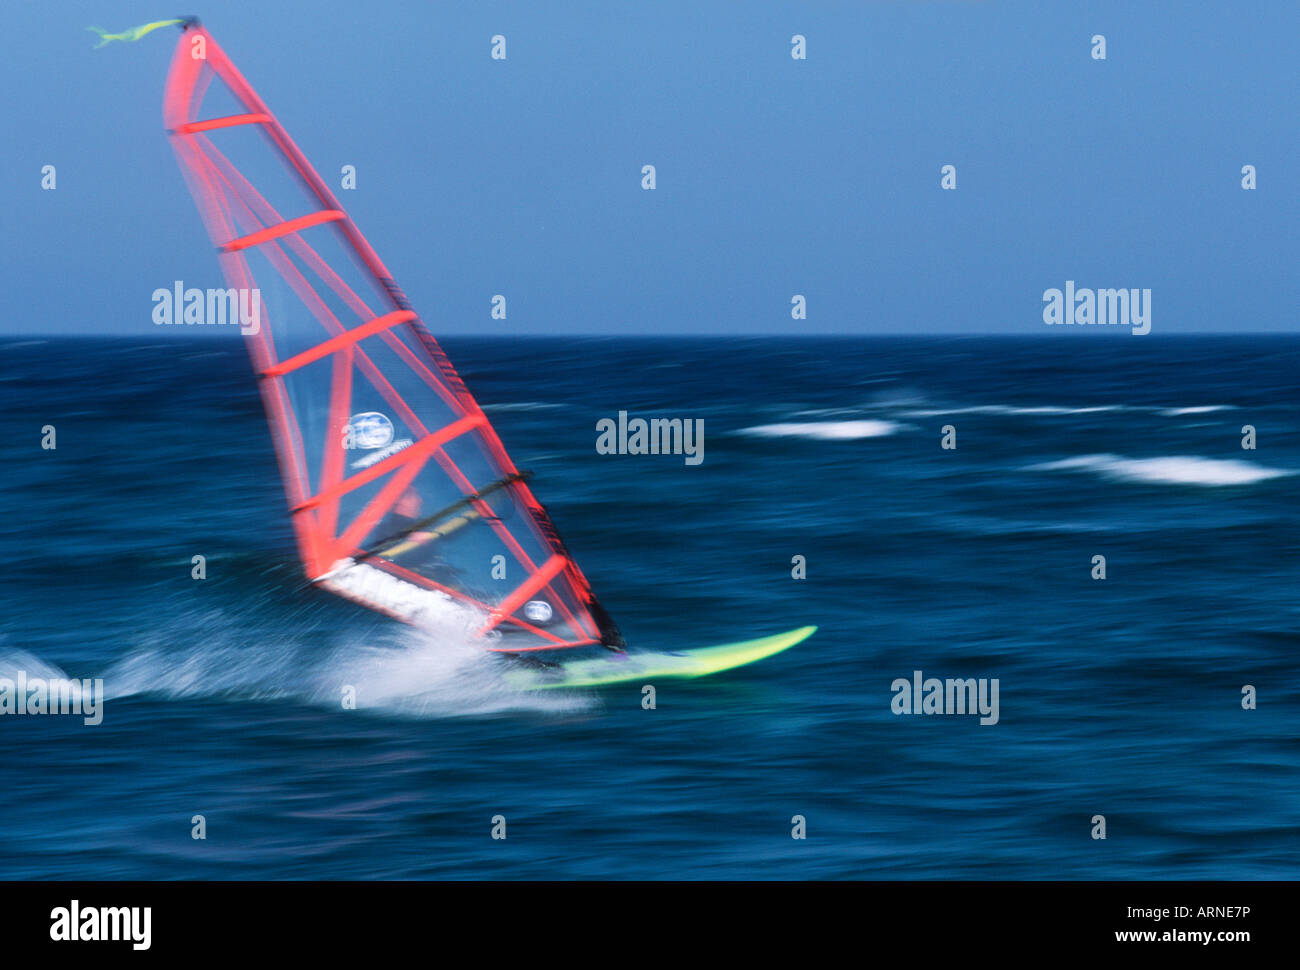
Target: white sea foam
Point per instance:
(1172, 469)
(1201, 409)
(394, 670)
(825, 430)
(14, 661)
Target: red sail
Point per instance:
(401, 494)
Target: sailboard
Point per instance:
(401, 495)
(622, 668)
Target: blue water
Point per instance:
(1119, 697)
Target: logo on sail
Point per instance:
(538, 611)
(369, 429)
(373, 433)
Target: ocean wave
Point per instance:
(206, 355)
(1201, 409)
(826, 412)
(13, 662)
(525, 406)
(1171, 470)
(1055, 409)
(1006, 409)
(825, 430)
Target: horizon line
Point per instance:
(204, 333)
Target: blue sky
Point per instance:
(775, 176)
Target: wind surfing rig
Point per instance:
(402, 496)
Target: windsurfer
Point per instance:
(403, 520)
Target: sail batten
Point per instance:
(373, 427)
(339, 341)
(282, 229)
(209, 124)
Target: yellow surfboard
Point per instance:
(618, 668)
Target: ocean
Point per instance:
(1119, 697)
